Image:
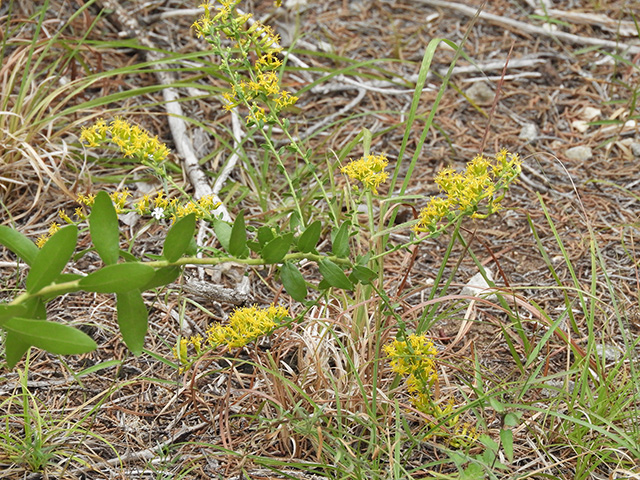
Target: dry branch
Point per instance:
(526, 28)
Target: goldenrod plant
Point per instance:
(250, 60)
(416, 359)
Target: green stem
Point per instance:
(56, 289)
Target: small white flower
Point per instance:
(158, 213)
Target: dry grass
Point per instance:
(318, 400)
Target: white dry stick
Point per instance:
(526, 28)
(184, 147)
(619, 27)
(328, 119)
(236, 128)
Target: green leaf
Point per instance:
(293, 281)
(14, 348)
(276, 249)
(162, 276)
(179, 237)
(128, 257)
(361, 274)
(118, 278)
(512, 419)
(192, 248)
(506, 438)
(103, 225)
(472, 472)
(309, 238)
(19, 244)
(52, 258)
(367, 137)
(254, 246)
(36, 308)
(496, 404)
(132, 319)
(50, 336)
(340, 244)
(10, 311)
(223, 232)
(334, 275)
(238, 240)
(265, 235)
(295, 221)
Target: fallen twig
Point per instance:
(526, 28)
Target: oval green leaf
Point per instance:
(265, 235)
(10, 311)
(14, 348)
(334, 275)
(36, 308)
(162, 276)
(309, 238)
(179, 237)
(118, 278)
(238, 240)
(223, 233)
(52, 258)
(340, 244)
(104, 229)
(50, 336)
(293, 281)
(276, 249)
(132, 319)
(362, 274)
(19, 244)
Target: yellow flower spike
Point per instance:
(207, 202)
(482, 180)
(415, 359)
(42, 239)
(87, 200)
(96, 134)
(142, 206)
(268, 61)
(53, 228)
(285, 99)
(80, 213)
(119, 199)
(257, 114)
(130, 139)
(369, 171)
(64, 217)
(246, 325)
(196, 341)
(160, 201)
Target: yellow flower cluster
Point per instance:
(369, 170)
(266, 87)
(53, 228)
(161, 207)
(132, 140)
(257, 40)
(415, 360)
(482, 181)
(245, 326)
(42, 239)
